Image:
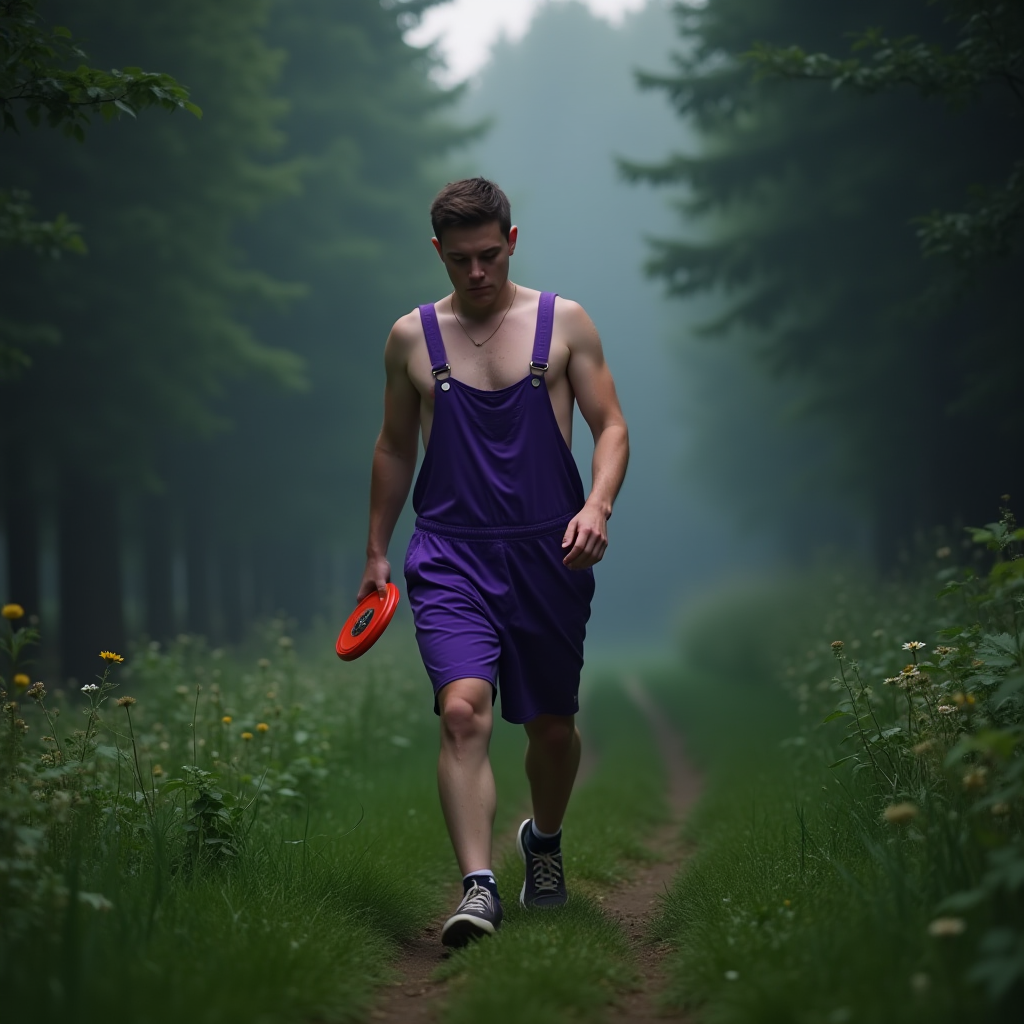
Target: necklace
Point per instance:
(480, 344)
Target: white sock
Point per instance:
(542, 835)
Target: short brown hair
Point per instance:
(468, 202)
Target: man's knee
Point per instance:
(553, 732)
(464, 716)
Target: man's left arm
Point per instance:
(586, 536)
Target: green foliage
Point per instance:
(265, 877)
(867, 865)
(989, 54)
(34, 74)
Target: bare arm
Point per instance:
(586, 536)
(394, 463)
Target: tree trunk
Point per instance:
(197, 569)
(158, 567)
(21, 524)
(91, 600)
(231, 590)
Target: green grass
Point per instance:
(341, 854)
(800, 904)
(548, 966)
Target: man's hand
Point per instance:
(376, 576)
(587, 538)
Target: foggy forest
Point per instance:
(797, 228)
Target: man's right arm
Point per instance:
(394, 462)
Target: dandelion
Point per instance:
(947, 709)
(21, 680)
(914, 645)
(158, 771)
(960, 699)
(262, 727)
(787, 903)
(126, 702)
(12, 612)
(264, 663)
(900, 814)
(247, 736)
(110, 656)
(37, 691)
(837, 646)
(227, 720)
(944, 927)
(976, 778)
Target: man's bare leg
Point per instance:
(552, 760)
(464, 777)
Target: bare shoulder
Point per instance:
(575, 327)
(405, 335)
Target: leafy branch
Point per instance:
(35, 74)
(990, 54)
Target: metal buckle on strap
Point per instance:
(539, 369)
(446, 369)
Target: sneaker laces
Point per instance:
(547, 870)
(478, 900)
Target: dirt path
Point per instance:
(415, 997)
(634, 904)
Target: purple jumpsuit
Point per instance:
(490, 596)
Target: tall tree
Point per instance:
(286, 487)
(149, 323)
(808, 200)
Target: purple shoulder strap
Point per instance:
(435, 343)
(542, 339)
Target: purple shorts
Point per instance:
(499, 605)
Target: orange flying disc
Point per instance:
(364, 626)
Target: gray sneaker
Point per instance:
(478, 914)
(545, 880)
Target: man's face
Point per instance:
(476, 259)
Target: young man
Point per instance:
(499, 569)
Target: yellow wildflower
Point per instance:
(246, 736)
(227, 719)
(111, 656)
(899, 814)
(976, 779)
(943, 927)
(12, 612)
(20, 679)
(262, 727)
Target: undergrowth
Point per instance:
(212, 837)
(859, 847)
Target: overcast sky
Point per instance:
(466, 29)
